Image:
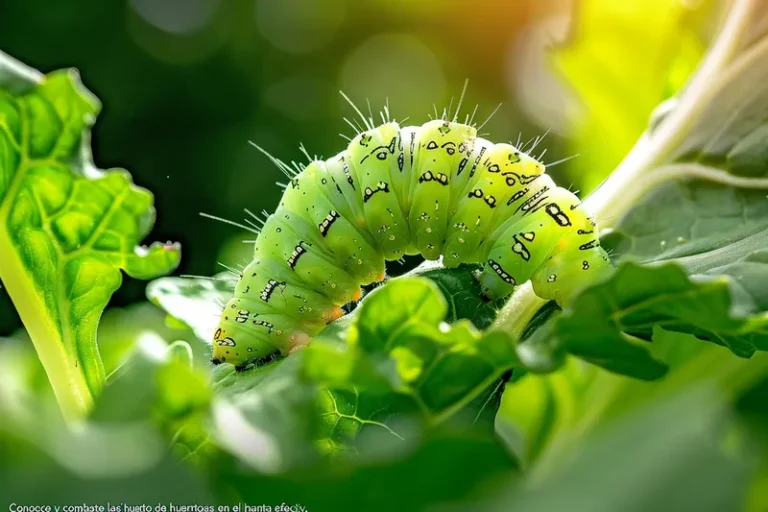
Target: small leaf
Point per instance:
(267, 416)
(684, 465)
(404, 344)
(193, 302)
(605, 321)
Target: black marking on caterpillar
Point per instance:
(439, 177)
(450, 148)
(585, 265)
(413, 146)
(298, 251)
(585, 232)
(476, 193)
(462, 164)
(530, 236)
(400, 161)
(509, 178)
(242, 316)
(589, 245)
(348, 174)
(324, 226)
(513, 157)
(554, 211)
(520, 249)
(262, 323)
(365, 139)
(380, 187)
(490, 201)
(477, 161)
(226, 342)
(523, 179)
(501, 272)
(461, 226)
(494, 168)
(517, 195)
(432, 145)
(381, 153)
(533, 203)
(266, 293)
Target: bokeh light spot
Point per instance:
(176, 16)
(301, 97)
(398, 67)
(299, 26)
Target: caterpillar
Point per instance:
(438, 190)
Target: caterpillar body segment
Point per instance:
(435, 190)
(353, 252)
(373, 157)
(439, 149)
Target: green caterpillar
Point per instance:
(434, 190)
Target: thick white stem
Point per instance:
(610, 202)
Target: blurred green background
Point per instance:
(185, 84)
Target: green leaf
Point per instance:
(392, 368)
(605, 321)
(193, 302)
(462, 291)
(355, 392)
(66, 228)
(267, 416)
(400, 341)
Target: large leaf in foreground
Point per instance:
(372, 379)
(66, 228)
(684, 465)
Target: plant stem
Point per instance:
(58, 357)
(610, 202)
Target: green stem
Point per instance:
(59, 358)
(616, 196)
